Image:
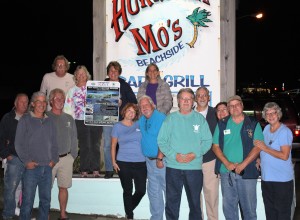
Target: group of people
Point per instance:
(39, 142)
(197, 147)
(243, 151)
(195, 151)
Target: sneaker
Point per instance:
(17, 211)
(109, 174)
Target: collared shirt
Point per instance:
(150, 128)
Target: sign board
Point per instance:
(182, 37)
(102, 101)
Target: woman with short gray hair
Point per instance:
(276, 164)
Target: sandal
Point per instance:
(96, 174)
(84, 175)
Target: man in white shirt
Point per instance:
(60, 78)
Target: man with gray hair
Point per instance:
(184, 138)
(36, 145)
(150, 123)
(210, 180)
(67, 147)
(13, 167)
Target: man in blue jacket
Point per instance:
(150, 123)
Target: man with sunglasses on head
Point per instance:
(59, 78)
(236, 158)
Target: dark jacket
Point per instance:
(212, 121)
(247, 133)
(8, 129)
(126, 94)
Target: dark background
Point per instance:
(267, 50)
(33, 33)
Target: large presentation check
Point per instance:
(102, 100)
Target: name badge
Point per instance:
(227, 131)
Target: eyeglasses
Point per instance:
(38, 102)
(59, 99)
(186, 99)
(147, 125)
(237, 105)
(268, 114)
(60, 66)
(202, 96)
(229, 179)
(222, 110)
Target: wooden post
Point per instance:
(228, 54)
(99, 50)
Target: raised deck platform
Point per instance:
(104, 197)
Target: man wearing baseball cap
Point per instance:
(233, 145)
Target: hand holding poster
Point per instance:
(102, 103)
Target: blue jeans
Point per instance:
(156, 189)
(107, 147)
(12, 177)
(40, 177)
(132, 172)
(192, 181)
(236, 190)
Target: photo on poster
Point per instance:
(102, 100)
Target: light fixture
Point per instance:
(256, 15)
(259, 15)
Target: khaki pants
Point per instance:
(210, 190)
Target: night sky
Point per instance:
(34, 32)
(267, 50)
